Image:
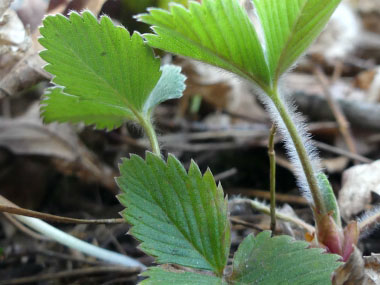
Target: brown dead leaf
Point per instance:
(366, 6)
(31, 13)
(352, 272)
(358, 183)
(94, 6)
(372, 268)
(341, 34)
(364, 79)
(14, 40)
(335, 165)
(4, 5)
(26, 135)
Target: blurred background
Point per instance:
(69, 170)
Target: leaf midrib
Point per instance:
(286, 46)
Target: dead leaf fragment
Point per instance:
(14, 40)
(372, 268)
(352, 272)
(4, 5)
(26, 135)
(358, 183)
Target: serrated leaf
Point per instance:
(280, 260)
(216, 32)
(290, 26)
(107, 75)
(180, 217)
(160, 276)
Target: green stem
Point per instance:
(147, 125)
(301, 151)
(272, 166)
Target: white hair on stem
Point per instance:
(369, 222)
(301, 128)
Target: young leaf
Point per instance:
(217, 32)
(107, 75)
(329, 198)
(159, 276)
(280, 260)
(180, 217)
(290, 26)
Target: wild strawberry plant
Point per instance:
(104, 77)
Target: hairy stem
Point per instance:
(147, 125)
(272, 178)
(301, 152)
(370, 222)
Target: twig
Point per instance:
(121, 280)
(225, 174)
(360, 114)
(344, 126)
(342, 152)
(338, 70)
(244, 223)
(72, 273)
(272, 178)
(58, 255)
(284, 198)
(54, 218)
(266, 210)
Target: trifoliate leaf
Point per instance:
(280, 260)
(159, 276)
(218, 32)
(180, 217)
(107, 75)
(290, 26)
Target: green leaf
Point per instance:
(290, 26)
(216, 32)
(107, 75)
(280, 260)
(159, 276)
(329, 198)
(180, 217)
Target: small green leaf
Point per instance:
(280, 260)
(107, 75)
(159, 276)
(216, 32)
(170, 86)
(290, 26)
(180, 217)
(329, 198)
